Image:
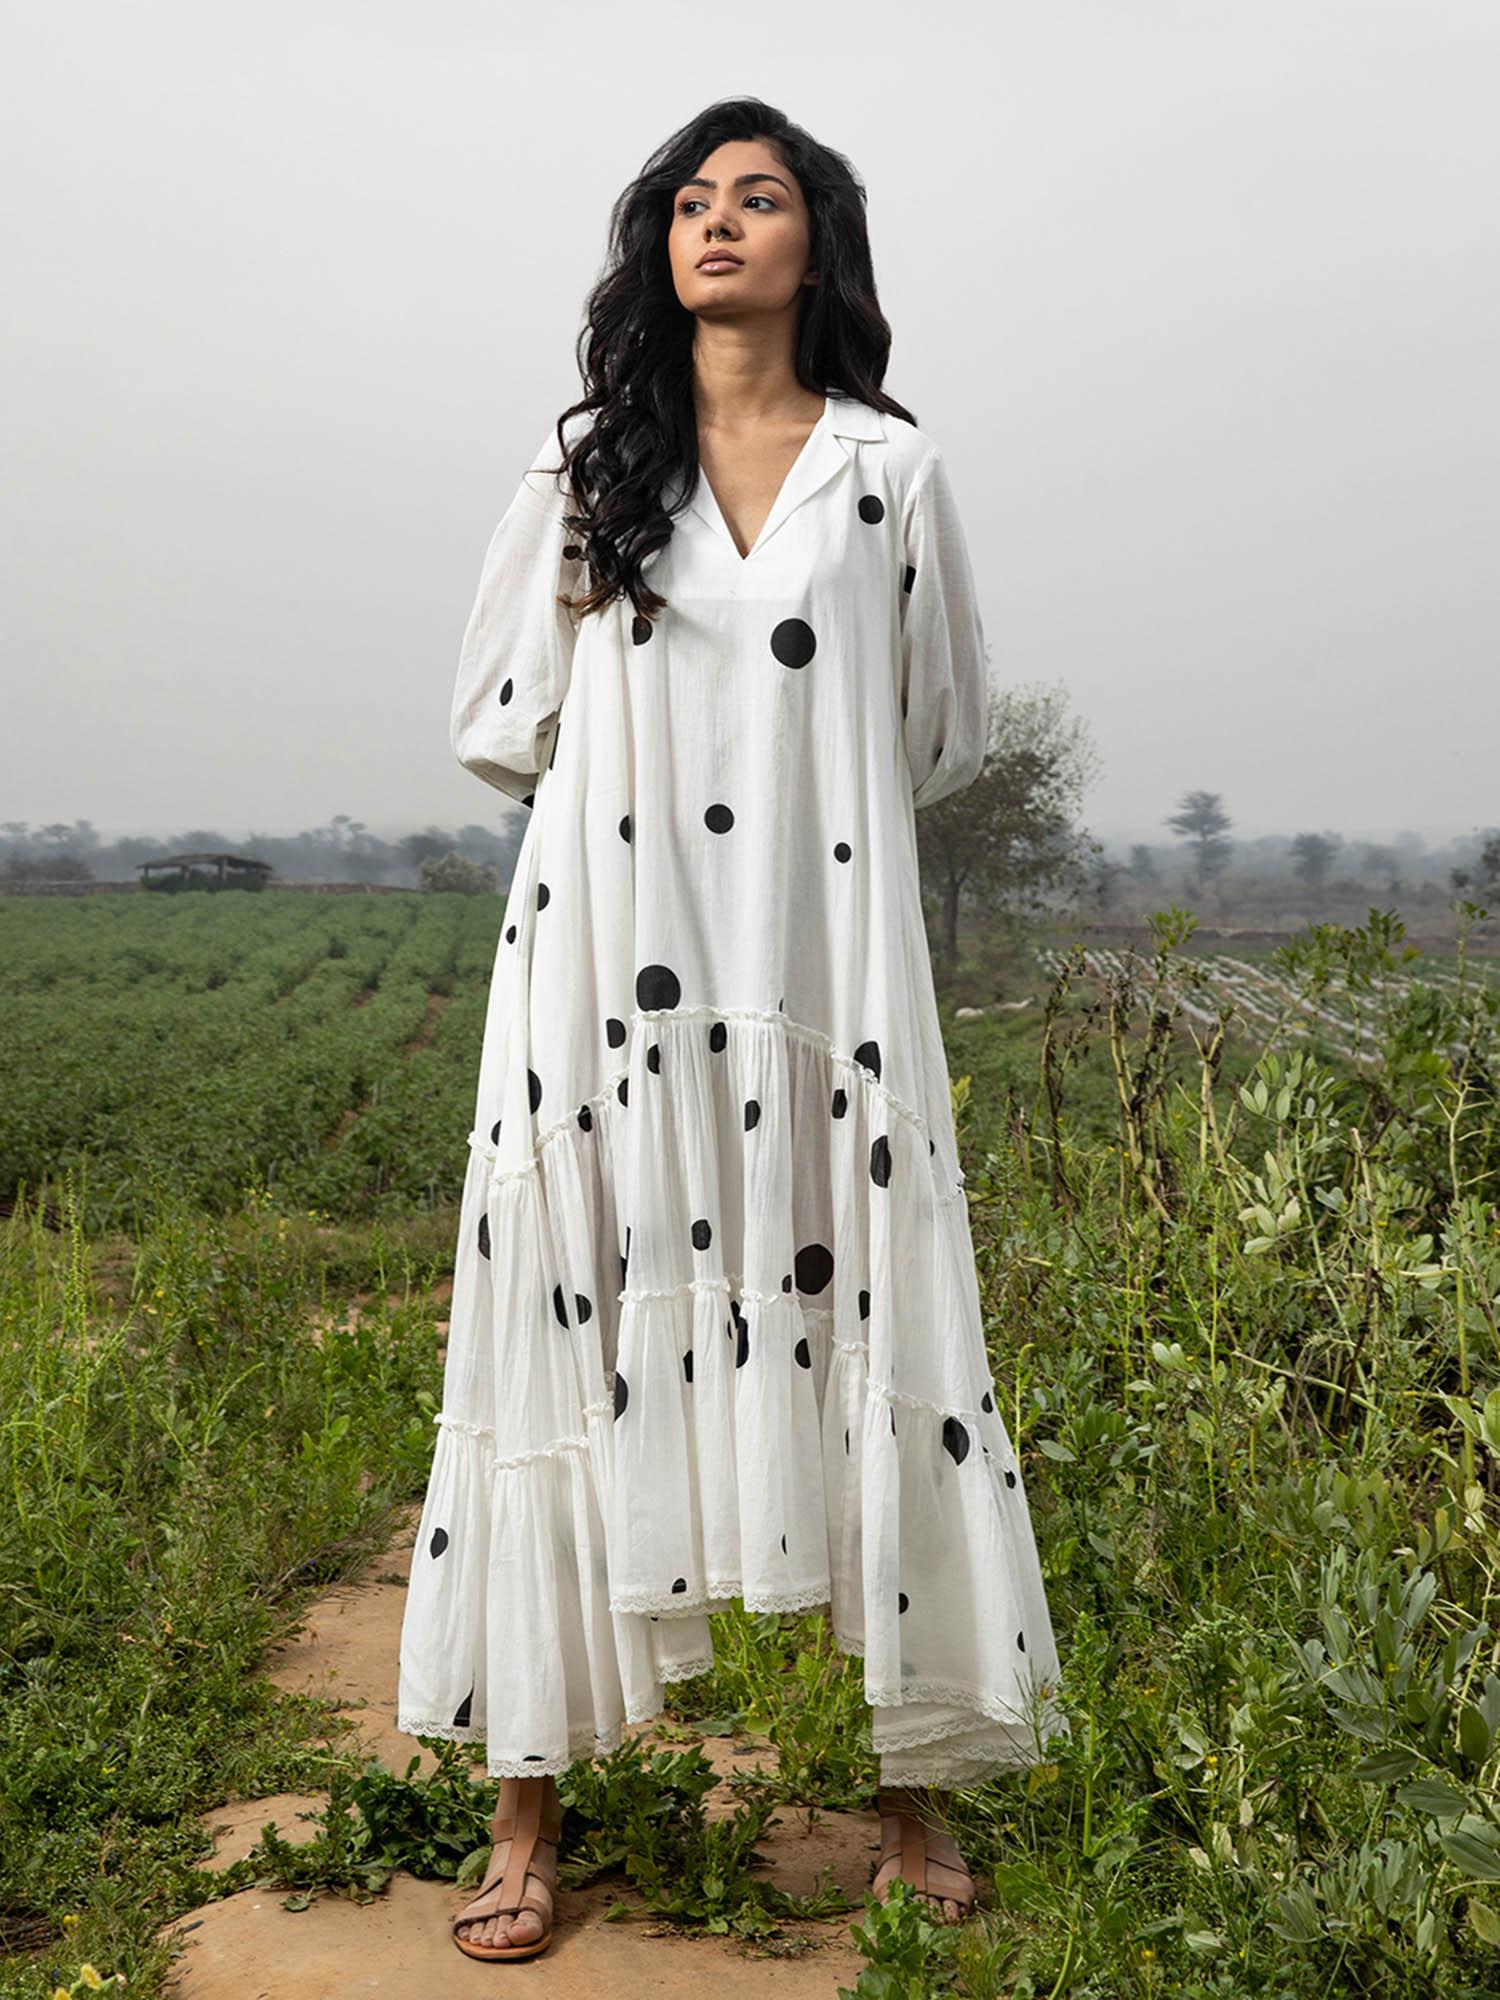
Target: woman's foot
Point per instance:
(485, 1922)
(923, 1853)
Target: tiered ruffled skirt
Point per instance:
(717, 1333)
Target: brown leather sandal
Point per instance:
(532, 1823)
(907, 1839)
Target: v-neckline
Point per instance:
(773, 513)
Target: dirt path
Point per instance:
(248, 1947)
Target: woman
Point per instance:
(716, 1327)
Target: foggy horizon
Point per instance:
(1201, 306)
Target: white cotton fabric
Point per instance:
(716, 1326)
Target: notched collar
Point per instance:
(854, 419)
(824, 455)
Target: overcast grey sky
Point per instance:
(1202, 301)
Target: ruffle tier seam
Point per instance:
(579, 1441)
(798, 1030)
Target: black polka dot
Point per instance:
(737, 1315)
(439, 1541)
(783, 1545)
(793, 643)
(543, 895)
(625, 827)
(910, 577)
(864, 1305)
(533, 1757)
(1021, 1641)
(752, 1114)
(484, 1235)
(742, 1345)
(703, 1233)
(786, 1283)
(955, 1439)
(880, 1161)
(718, 1035)
(871, 507)
(585, 1118)
(902, 1600)
(557, 1305)
(507, 689)
(657, 986)
(813, 1265)
(840, 1102)
(986, 1401)
(534, 1088)
(510, 933)
(622, 1090)
(464, 1712)
(718, 819)
(572, 551)
(846, 1437)
(641, 629)
(653, 1058)
(1010, 1477)
(614, 1031)
(622, 1393)
(842, 850)
(868, 1053)
(687, 1366)
(495, 1133)
(679, 1584)
(931, 1148)
(585, 1308)
(802, 1353)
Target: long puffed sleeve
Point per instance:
(516, 659)
(945, 690)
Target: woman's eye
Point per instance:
(692, 201)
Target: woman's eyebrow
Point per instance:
(739, 181)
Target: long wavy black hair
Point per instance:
(635, 346)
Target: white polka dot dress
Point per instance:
(716, 1327)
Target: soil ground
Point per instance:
(248, 1947)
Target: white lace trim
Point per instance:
(865, 1078)
(684, 1604)
(947, 1768)
(583, 1744)
(956, 1694)
(949, 1771)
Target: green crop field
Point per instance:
(1236, 1222)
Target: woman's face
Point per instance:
(743, 200)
